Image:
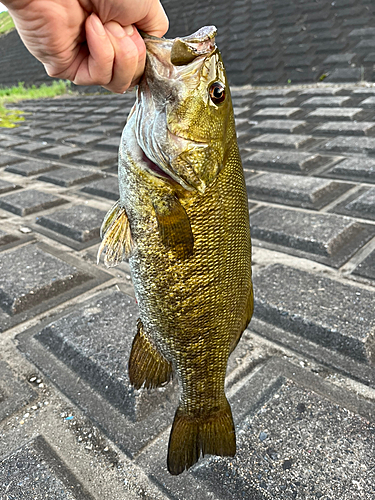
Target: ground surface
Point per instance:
(302, 380)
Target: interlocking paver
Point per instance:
(357, 169)
(79, 222)
(35, 467)
(294, 141)
(6, 186)
(337, 113)
(66, 176)
(325, 311)
(332, 102)
(345, 128)
(30, 167)
(6, 159)
(326, 238)
(106, 188)
(30, 275)
(350, 144)
(27, 202)
(367, 267)
(361, 204)
(291, 126)
(289, 161)
(97, 158)
(307, 192)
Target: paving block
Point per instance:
(84, 139)
(6, 238)
(60, 152)
(95, 341)
(6, 159)
(289, 161)
(357, 169)
(361, 204)
(321, 91)
(97, 158)
(14, 394)
(337, 113)
(345, 75)
(350, 144)
(10, 142)
(106, 188)
(280, 412)
(56, 135)
(324, 311)
(275, 101)
(346, 128)
(326, 238)
(368, 103)
(295, 190)
(366, 268)
(6, 186)
(295, 141)
(332, 102)
(30, 275)
(66, 176)
(92, 342)
(111, 144)
(345, 58)
(30, 167)
(29, 201)
(104, 129)
(277, 113)
(277, 451)
(362, 32)
(31, 148)
(36, 471)
(79, 222)
(290, 126)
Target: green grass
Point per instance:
(6, 22)
(11, 95)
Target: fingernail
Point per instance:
(97, 25)
(117, 30)
(129, 30)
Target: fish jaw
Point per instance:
(172, 104)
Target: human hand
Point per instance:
(90, 42)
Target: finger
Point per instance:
(155, 22)
(129, 56)
(97, 67)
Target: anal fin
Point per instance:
(209, 434)
(174, 226)
(146, 365)
(116, 235)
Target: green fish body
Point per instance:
(183, 221)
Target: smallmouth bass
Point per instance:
(183, 222)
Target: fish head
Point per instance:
(184, 109)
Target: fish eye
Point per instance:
(217, 92)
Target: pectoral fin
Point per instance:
(174, 226)
(116, 235)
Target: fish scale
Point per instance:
(187, 237)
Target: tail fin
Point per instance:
(116, 235)
(212, 434)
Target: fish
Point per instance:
(182, 220)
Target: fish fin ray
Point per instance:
(174, 226)
(116, 235)
(147, 366)
(210, 434)
(247, 314)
